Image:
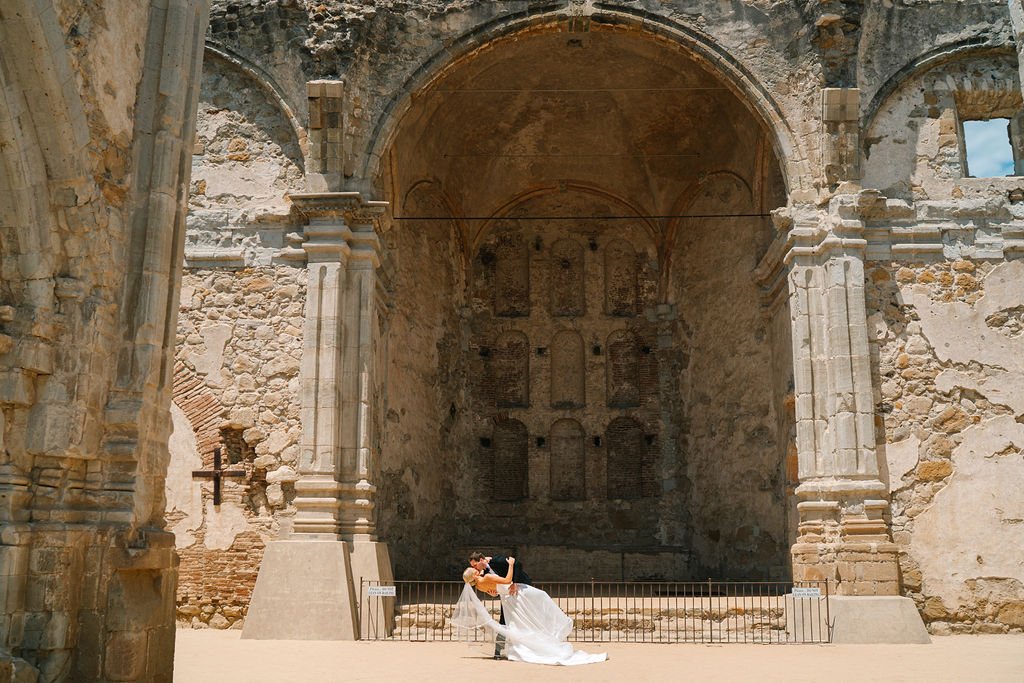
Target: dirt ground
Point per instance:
(222, 657)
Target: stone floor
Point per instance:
(222, 657)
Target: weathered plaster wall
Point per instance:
(425, 430)
(240, 334)
(731, 435)
(246, 154)
(949, 347)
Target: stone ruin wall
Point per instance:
(419, 418)
(240, 335)
(449, 382)
(948, 339)
(239, 345)
(70, 190)
(913, 147)
(424, 390)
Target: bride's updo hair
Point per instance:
(469, 576)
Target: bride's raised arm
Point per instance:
(495, 579)
(508, 577)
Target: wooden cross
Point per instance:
(216, 474)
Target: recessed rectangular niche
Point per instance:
(510, 371)
(620, 278)
(566, 275)
(626, 454)
(623, 370)
(568, 371)
(568, 461)
(511, 461)
(511, 277)
(236, 449)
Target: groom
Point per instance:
(499, 565)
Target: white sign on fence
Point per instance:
(380, 591)
(807, 592)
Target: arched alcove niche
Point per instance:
(568, 461)
(247, 154)
(558, 164)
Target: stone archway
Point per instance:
(521, 174)
(95, 105)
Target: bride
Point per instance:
(536, 628)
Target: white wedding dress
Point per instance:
(535, 628)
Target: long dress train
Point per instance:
(535, 629)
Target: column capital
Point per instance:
(347, 207)
(813, 236)
(340, 226)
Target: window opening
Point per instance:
(988, 149)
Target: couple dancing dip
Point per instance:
(532, 628)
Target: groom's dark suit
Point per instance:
(499, 565)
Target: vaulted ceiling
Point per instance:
(631, 116)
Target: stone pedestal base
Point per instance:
(304, 591)
(867, 568)
(859, 619)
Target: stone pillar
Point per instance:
(358, 456)
(843, 534)
(325, 165)
(840, 145)
(318, 490)
(308, 584)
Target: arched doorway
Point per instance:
(575, 221)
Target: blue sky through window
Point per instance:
(988, 148)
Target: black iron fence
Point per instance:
(635, 612)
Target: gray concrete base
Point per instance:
(304, 591)
(371, 562)
(857, 619)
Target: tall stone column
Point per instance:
(308, 584)
(318, 490)
(843, 534)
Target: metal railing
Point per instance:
(634, 612)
